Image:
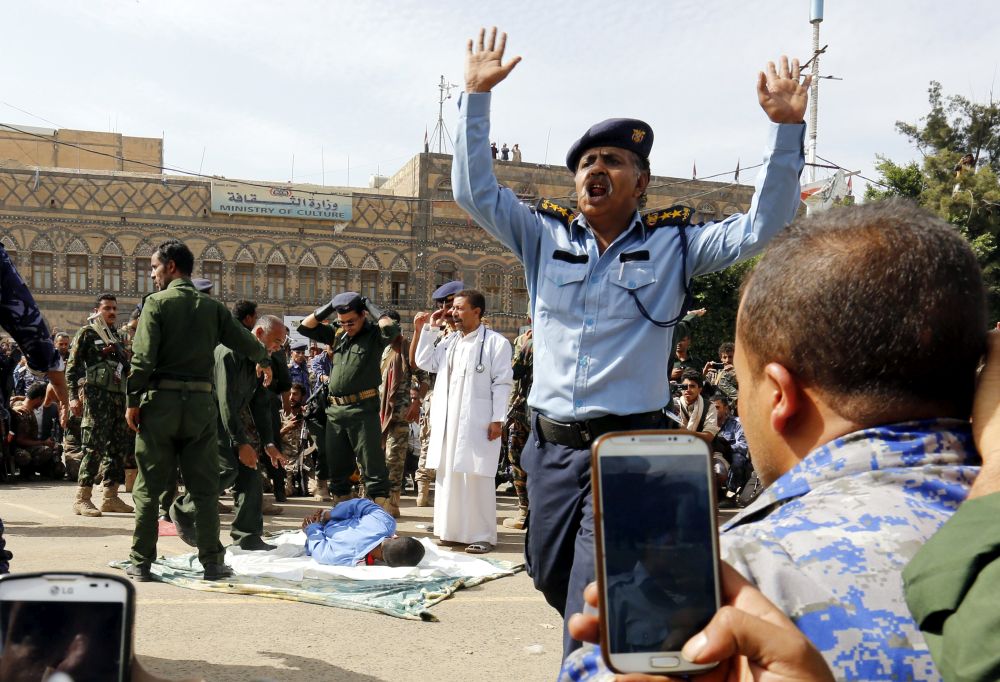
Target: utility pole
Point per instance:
(815, 18)
(440, 130)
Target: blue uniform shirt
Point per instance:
(355, 528)
(594, 353)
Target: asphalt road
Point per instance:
(490, 632)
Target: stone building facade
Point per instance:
(74, 233)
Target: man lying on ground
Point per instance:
(358, 532)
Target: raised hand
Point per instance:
(484, 66)
(780, 94)
(420, 319)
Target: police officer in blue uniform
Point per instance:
(607, 286)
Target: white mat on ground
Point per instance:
(288, 561)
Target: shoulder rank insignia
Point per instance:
(667, 217)
(560, 213)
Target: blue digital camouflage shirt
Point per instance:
(827, 543)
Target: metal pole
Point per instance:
(813, 102)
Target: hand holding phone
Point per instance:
(76, 623)
(656, 542)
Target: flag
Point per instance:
(427, 141)
(737, 178)
(694, 170)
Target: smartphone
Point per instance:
(657, 547)
(76, 623)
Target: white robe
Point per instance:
(463, 405)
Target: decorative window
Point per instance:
(111, 273)
(338, 281)
(276, 282)
(369, 284)
(76, 272)
(143, 282)
(444, 273)
(212, 270)
(400, 289)
(41, 270)
(244, 281)
(308, 284)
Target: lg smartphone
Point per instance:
(79, 624)
(657, 548)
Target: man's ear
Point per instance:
(784, 395)
(642, 183)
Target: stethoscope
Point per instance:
(480, 367)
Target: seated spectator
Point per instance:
(722, 375)
(358, 532)
(864, 454)
(35, 448)
(735, 444)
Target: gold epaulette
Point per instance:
(561, 213)
(674, 216)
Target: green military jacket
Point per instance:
(523, 364)
(239, 389)
(356, 359)
(178, 331)
(953, 591)
(95, 362)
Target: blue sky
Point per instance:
(238, 88)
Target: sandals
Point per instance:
(480, 548)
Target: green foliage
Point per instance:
(719, 294)
(968, 198)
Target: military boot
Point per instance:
(517, 522)
(83, 506)
(382, 502)
(113, 503)
(269, 508)
(392, 504)
(423, 494)
(321, 491)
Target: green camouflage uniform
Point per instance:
(395, 428)
(73, 446)
(100, 368)
(517, 425)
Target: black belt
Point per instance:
(580, 435)
(176, 385)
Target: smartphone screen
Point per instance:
(72, 625)
(658, 546)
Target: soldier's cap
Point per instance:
(446, 290)
(624, 133)
(347, 301)
(203, 285)
(300, 347)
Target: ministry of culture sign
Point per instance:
(278, 201)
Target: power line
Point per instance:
(839, 167)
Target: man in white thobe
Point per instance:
(474, 379)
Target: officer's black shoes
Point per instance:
(255, 544)
(185, 529)
(217, 571)
(139, 573)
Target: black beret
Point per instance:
(624, 133)
(203, 285)
(349, 299)
(446, 290)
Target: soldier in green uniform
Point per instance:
(399, 406)
(244, 431)
(517, 426)
(171, 406)
(97, 364)
(353, 432)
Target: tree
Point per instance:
(719, 294)
(967, 194)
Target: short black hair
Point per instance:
(105, 297)
(402, 551)
(695, 376)
(393, 315)
(177, 251)
(476, 299)
(242, 308)
(36, 390)
(727, 348)
(877, 306)
(297, 385)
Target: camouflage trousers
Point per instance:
(516, 436)
(73, 447)
(40, 459)
(425, 475)
(108, 443)
(396, 444)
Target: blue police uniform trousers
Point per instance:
(559, 547)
